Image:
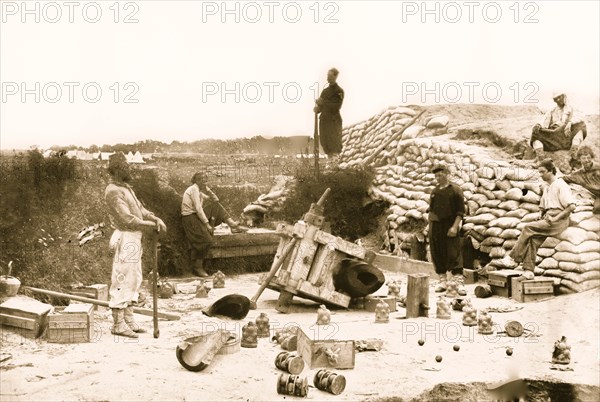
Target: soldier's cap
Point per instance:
(439, 168)
(233, 306)
(556, 94)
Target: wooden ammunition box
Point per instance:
(98, 292)
(26, 316)
(500, 281)
(71, 324)
(314, 347)
(531, 290)
(470, 276)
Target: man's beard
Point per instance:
(126, 177)
(123, 175)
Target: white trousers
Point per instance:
(126, 278)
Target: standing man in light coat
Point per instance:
(129, 218)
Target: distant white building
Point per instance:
(136, 158)
(83, 155)
(105, 155)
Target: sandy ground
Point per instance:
(115, 369)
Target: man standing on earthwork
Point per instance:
(446, 211)
(556, 204)
(129, 218)
(330, 120)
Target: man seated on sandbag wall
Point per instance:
(588, 176)
(201, 211)
(556, 205)
(561, 130)
(446, 211)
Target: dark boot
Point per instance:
(129, 320)
(199, 268)
(120, 327)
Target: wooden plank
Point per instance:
(285, 230)
(236, 239)
(324, 262)
(323, 294)
(340, 244)
(303, 258)
(313, 350)
(25, 304)
(417, 296)
(242, 251)
(17, 321)
(402, 264)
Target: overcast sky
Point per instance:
(188, 70)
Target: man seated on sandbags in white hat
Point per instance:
(561, 130)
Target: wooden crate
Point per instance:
(470, 276)
(500, 281)
(531, 290)
(71, 324)
(313, 342)
(98, 292)
(26, 316)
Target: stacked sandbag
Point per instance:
(267, 203)
(363, 139)
(501, 198)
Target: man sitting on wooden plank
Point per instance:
(201, 211)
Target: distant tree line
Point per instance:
(257, 144)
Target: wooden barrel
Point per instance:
(289, 384)
(289, 363)
(483, 291)
(330, 382)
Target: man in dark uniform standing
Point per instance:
(330, 121)
(446, 210)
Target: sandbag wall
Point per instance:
(501, 198)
